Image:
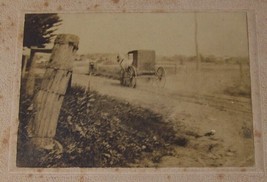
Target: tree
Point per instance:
(39, 29)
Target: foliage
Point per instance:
(99, 131)
(39, 29)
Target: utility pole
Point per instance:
(196, 42)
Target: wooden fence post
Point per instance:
(47, 102)
(24, 65)
(31, 76)
(25, 59)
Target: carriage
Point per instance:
(143, 66)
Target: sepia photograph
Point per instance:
(135, 90)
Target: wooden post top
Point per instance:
(67, 39)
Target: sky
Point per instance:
(220, 34)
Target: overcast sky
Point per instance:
(220, 34)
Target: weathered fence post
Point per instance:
(48, 101)
(25, 57)
(24, 65)
(31, 76)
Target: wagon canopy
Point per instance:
(144, 60)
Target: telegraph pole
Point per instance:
(196, 42)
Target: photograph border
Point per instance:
(256, 44)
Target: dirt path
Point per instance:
(230, 117)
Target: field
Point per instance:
(201, 118)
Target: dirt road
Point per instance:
(197, 113)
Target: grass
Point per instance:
(98, 131)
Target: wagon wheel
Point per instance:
(161, 77)
(131, 76)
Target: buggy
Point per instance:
(143, 65)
